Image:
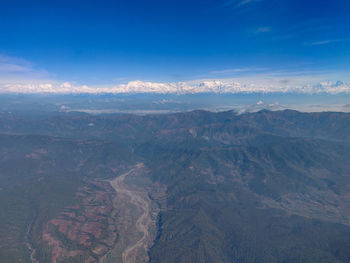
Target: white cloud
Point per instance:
(64, 88)
(190, 87)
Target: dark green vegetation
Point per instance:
(259, 187)
(39, 177)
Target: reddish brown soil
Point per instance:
(89, 225)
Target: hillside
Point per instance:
(222, 187)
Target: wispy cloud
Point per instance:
(263, 29)
(238, 70)
(6, 67)
(244, 2)
(240, 3)
(16, 69)
(13, 64)
(323, 42)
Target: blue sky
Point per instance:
(101, 43)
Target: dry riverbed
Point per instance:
(136, 216)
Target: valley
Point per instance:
(196, 187)
(136, 219)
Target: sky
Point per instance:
(165, 45)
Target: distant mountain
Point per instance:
(230, 86)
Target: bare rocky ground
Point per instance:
(136, 217)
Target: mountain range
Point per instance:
(269, 186)
(219, 86)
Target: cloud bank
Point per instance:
(223, 86)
